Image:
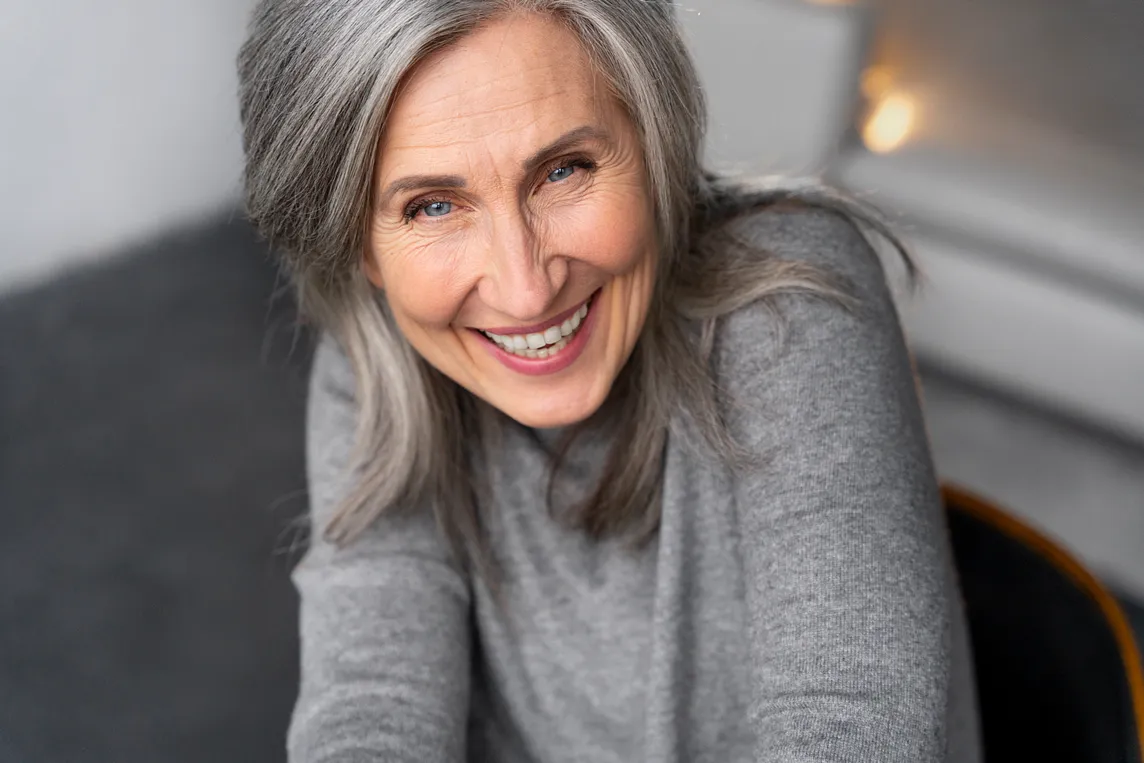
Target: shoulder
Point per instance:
(331, 425)
(331, 374)
(826, 239)
(800, 350)
(833, 245)
(331, 408)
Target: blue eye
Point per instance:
(437, 208)
(561, 173)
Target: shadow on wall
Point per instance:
(150, 468)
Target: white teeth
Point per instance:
(541, 345)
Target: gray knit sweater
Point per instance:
(801, 610)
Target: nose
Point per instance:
(521, 279)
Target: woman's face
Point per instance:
(512, 228)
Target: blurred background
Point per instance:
(152, 378)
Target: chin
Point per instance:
(542, 414)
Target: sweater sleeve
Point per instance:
(385, 633)
(843, 538)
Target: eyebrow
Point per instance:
(565, 142)
(415, 182)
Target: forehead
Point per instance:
(521, 80)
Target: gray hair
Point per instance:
(317, 79)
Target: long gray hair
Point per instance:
(317, 79)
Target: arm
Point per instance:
(385, 633)
(848, 578)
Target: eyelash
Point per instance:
(415, 206)
(582, 162)
(418, 204)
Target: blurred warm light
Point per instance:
(889, 123)
(876, 81)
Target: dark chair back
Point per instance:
(1058, 670)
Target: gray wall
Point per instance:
(1020, 188)
(119, 121)
(778, 75)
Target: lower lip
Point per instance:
(555, 363)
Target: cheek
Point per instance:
(611, 231)
(425, 284)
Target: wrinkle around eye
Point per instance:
(578, 181)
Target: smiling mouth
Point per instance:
(543, 344)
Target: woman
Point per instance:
(609, 460)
